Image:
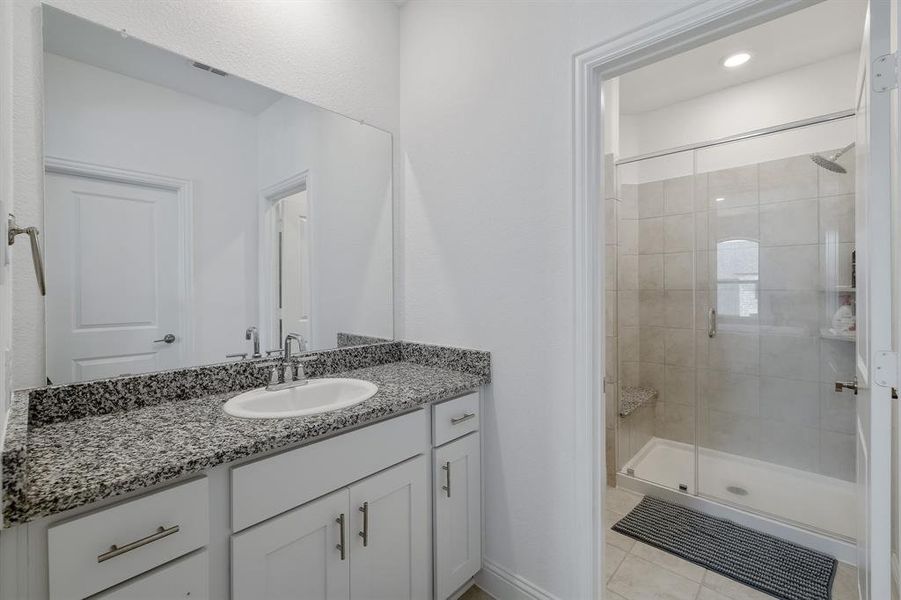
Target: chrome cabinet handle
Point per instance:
(340, 546)
(711, 323)
(447, 488)
(168, 338)
(465, 417)
(159, 534)
(12, 230)
(365, 533)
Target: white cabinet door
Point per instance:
(297, 555)
(458, 514)
(187, 578)
(389, 554)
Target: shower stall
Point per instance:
(731, 315)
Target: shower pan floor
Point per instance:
(808, 499)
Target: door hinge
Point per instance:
(885, 369)
(885, 73)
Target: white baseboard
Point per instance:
(504, 585)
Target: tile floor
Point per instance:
(636, 571)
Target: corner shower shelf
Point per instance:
(634, 397)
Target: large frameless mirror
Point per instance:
(193, 217)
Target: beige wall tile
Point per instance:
(627, 236)
(650, 272)
(832, 184)
(611, 220)
(741, 223)
(679, 347)
(837, 219)
(787, 179)
(650, 308)
(789, 312)
(650, 235)
(627, 273)
(789, 356)
(790, 223)
(835, 264)
(610, 255)
(678, 195)
(650, 344)
(735, 352)
(837, 409)
(790, 401)
(678, 272)
(732, 393)
(732, 433)
(677, 308)
(627, 308)
(680, 385)
(678, 233)
(650, 199)
(789, 268)
(628, 201)
(736, 187)
(628, 344)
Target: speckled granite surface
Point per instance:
(62, 464)
(633, 397)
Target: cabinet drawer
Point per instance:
(187, 577)
(272, 485)
(455, 418)
(146, 532)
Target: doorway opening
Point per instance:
(732, 298)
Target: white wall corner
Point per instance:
(502, 583)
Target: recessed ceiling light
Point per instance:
(736, 60)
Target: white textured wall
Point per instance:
(486, 123)
(341, 55)
(817, 89)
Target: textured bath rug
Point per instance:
(769, 564)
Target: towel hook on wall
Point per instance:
(32, 232)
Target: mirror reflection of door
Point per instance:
(113, 304)
(293, 251)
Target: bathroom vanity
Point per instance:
(143, 489)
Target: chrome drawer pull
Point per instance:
(446, 467)
(341, 546)
(115, 550)
(465, 417)
(365, 533)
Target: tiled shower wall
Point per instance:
(763, 384)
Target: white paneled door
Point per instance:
(113, 273)
(875, 360)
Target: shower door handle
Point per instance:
(711, 323)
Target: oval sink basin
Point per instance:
(315, 397)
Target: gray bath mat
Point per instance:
(769, 564)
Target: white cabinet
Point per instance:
(297, 555)
(381, 551)
(458, 514)
(187, 578)
(390, 555)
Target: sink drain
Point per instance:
(737, 490)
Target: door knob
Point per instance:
(168, 338)
(846, 385)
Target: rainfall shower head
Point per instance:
(830, 163)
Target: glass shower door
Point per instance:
(656, 239)
(778, 305)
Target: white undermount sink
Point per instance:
(314, 397)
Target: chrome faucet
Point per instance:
(253, 334)
(288, 372)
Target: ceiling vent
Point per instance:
(204, 67)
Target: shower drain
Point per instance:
(737, 490)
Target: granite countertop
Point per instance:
(68, 464)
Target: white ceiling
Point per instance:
(810, 35)
(81, 40)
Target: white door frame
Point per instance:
(184, 191)
(695, 25)
(268, 197)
